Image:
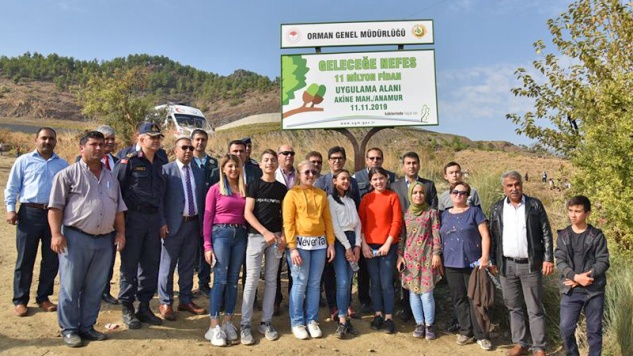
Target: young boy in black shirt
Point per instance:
(582, 258)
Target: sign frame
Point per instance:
(358, 27)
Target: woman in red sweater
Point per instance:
(381, 219)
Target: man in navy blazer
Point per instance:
(181, 228)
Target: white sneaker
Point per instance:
(485, 344)
(231, 331)
(216, 336)
(246, 338)
(300, 332)
(314, 330)
(268, 331)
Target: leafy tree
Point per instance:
(117, 99)
(294, 71)
(583, 94)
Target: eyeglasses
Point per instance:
(187, 148)
(317, 163)
(310, 172)
(337, 158)
(459, 192)
(374, 158)
(287, 153)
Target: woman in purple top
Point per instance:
(466, 240)
(225, 243)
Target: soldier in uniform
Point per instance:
(209, 166)
(142, 186)
(135, 148)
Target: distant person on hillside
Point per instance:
(30, 179)
(544, 177)
(1, 149)
(582, 258)
(526, 176)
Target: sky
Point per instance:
(478, 43)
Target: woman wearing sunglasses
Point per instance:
(466, 242)
(310, 239)
(224, 230)
(381, 220)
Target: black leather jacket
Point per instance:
(539, 234)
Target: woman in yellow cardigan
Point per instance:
(310, 237)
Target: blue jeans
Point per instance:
(344, 274)
(423, 307)
(83, 273)
(570, 307)
(380, 270)
(306, 286)
(229, 247)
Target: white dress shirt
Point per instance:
(515, 244)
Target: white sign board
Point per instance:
(357, 33)
(390, 88)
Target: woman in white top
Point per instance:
(346, 224)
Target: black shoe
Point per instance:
(129, 318)
(405, 316)
(376, 324)
(204, 289)
(453, 328)
(106, 297)
(350, 328)
(341, 331)
(145, 315)
(72, 340)
(93, 335)
(390, 327)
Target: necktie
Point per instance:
(192, 208)
(107, 163)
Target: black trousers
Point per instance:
(458, 279)
(33, 227)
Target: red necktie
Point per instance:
(107, 163)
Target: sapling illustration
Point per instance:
(311, 97)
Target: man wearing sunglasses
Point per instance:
(373, 158)
(181, 229)
(316, 158)
(286, 173)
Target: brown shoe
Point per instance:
(518, 350)
(47, 306)
(192, 308)
(21, 310)
(539, 353)
(167, 312)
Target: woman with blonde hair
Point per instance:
(310, 238)
(225, 232)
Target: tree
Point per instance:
(118, 99)
(584, 93)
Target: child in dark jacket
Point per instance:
(582, 258)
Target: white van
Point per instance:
(181, 120)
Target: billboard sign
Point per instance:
(366, 89)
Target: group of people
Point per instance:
(237, 215)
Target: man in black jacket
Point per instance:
(522, 249)
(582, 258)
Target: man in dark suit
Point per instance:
(209, 166)
(135, 148)
(411, 168)
(181, 227)
(373, 158)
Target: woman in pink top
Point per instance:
(225, 243)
